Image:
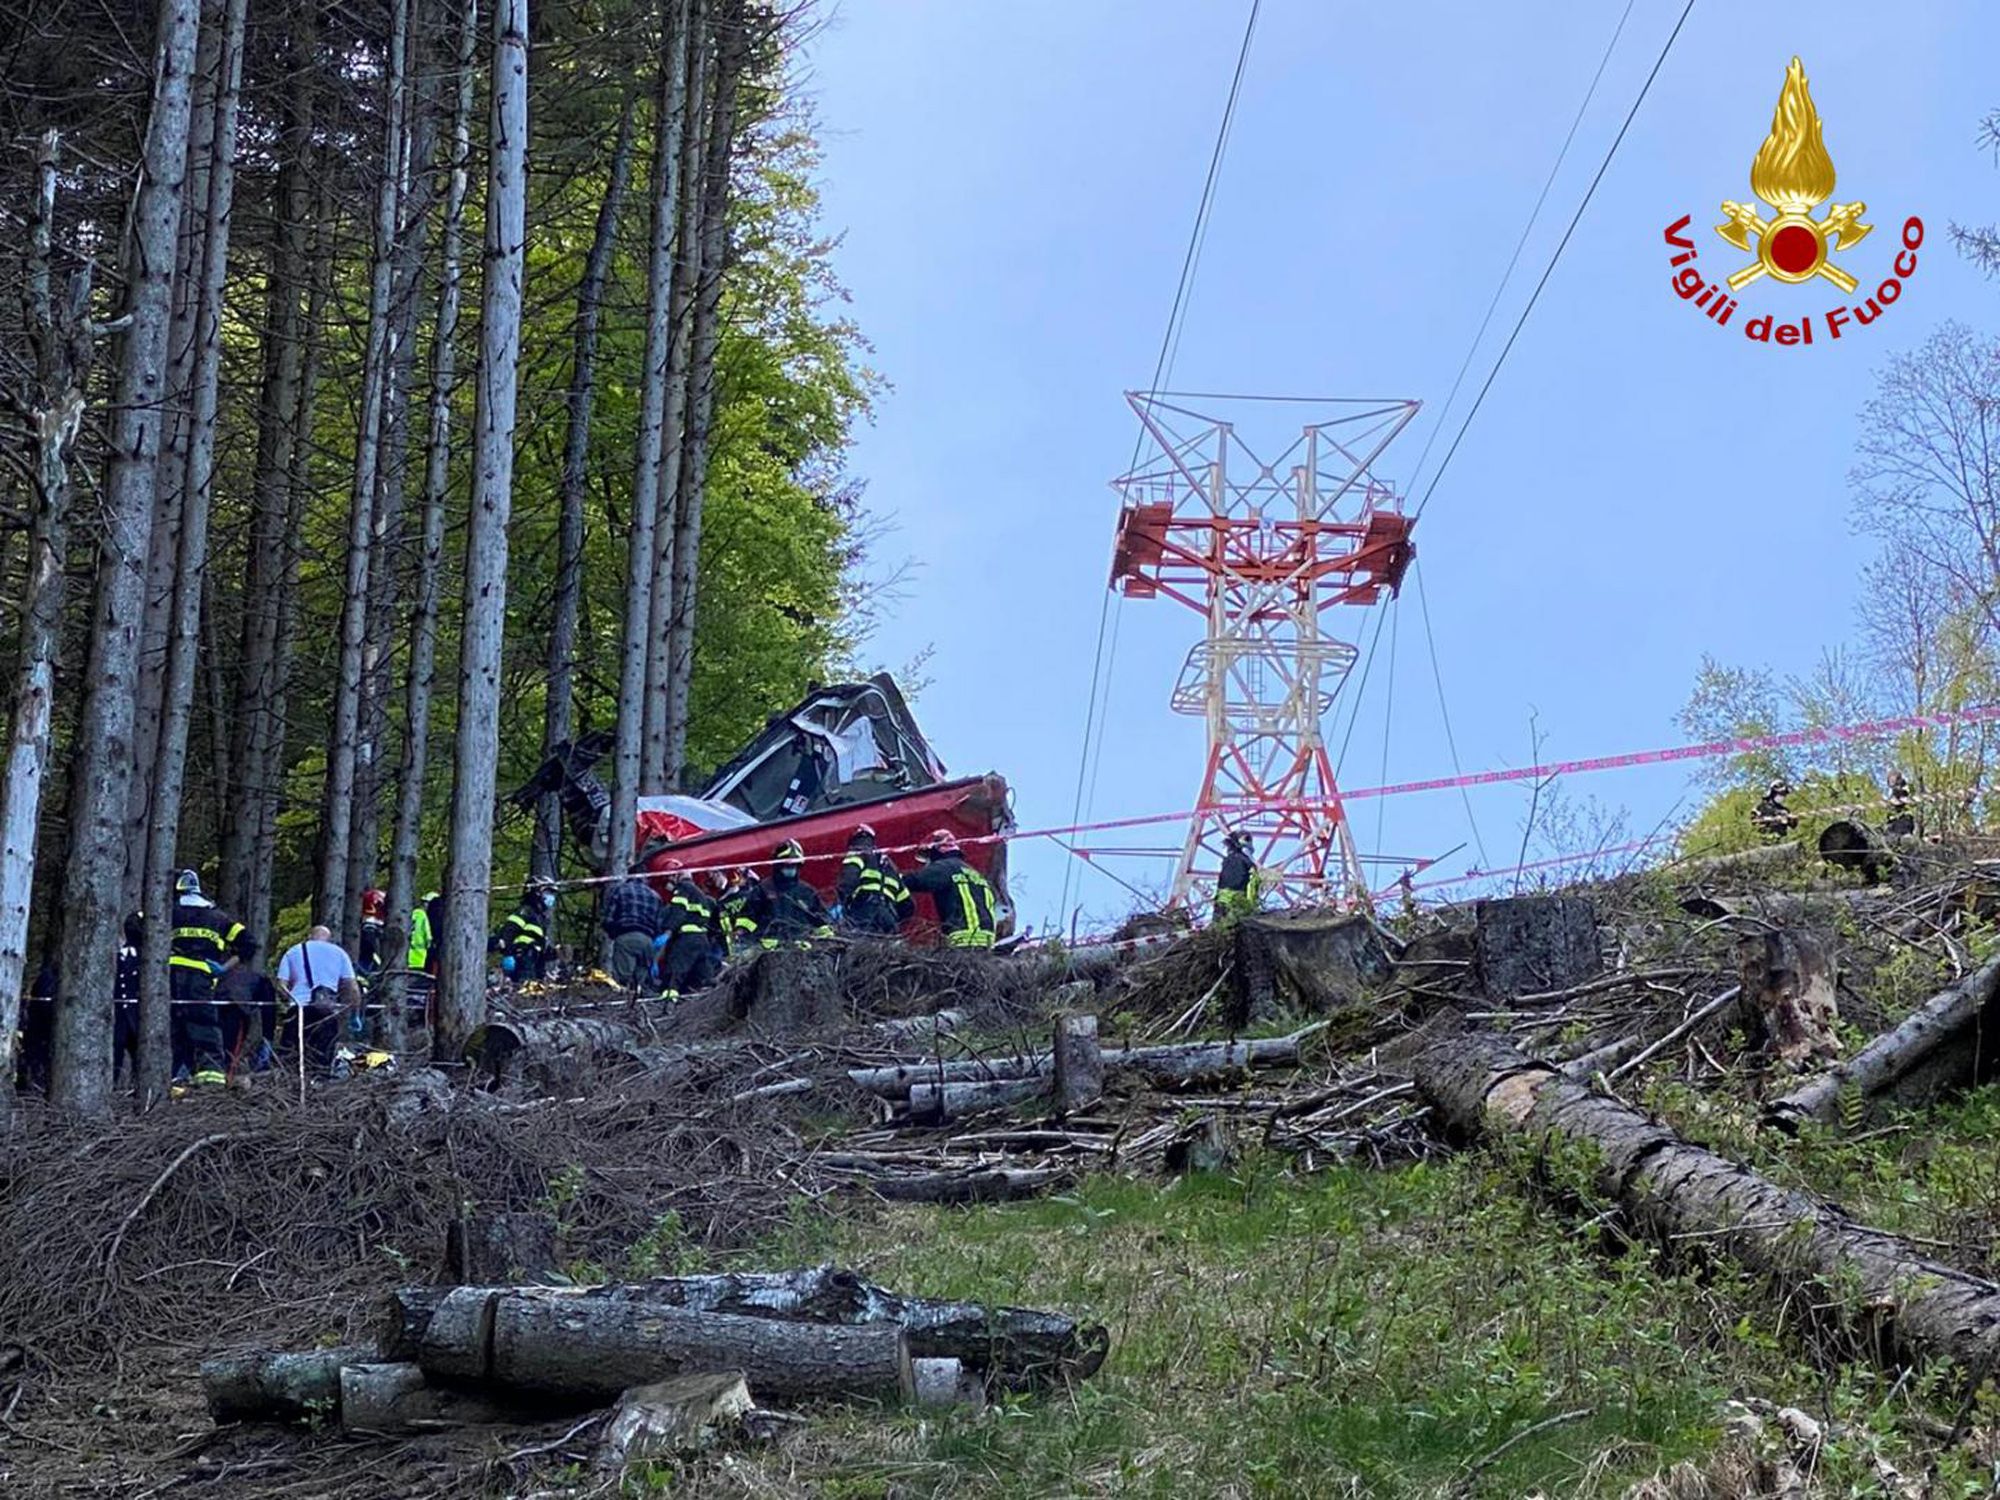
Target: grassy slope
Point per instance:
(1348, 1333)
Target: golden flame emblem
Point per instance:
(1794, 174)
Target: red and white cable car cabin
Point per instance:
(847, 755)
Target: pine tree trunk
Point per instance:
(387, 570)
(298, 490)
(437, 476)
(254, 728)
(559, 713)
(687, 275)
(690, 491)
(462, 977)
(184, 624)
(93, 884)
(169, 486)
(337, 822)
(59, 339)
(628, 776)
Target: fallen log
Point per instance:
(895, 1082)
(1012, 1345)
(919, 1028)
(394, 1400)
(1178, 1062)
(954, 1101)
(977, 1185)
(1938, 1048)
(277, 1386)
(1902, 1307)
(571, 1345)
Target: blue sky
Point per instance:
(1015, 184)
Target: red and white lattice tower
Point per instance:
(1264, 549)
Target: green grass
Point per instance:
(1349, 1333)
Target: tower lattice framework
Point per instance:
(1265, 550)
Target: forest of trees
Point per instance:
(390, 390)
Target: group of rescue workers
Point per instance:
(678, 944)
(1775, 820)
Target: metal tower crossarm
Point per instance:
(1262, 548)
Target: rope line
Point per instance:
(1549, 270)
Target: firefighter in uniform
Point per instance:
(1773, 819)
(1902, 818)
(739, 927)
(207, 943)
(873, 898)
(967, 907)
(686, 946)
(1239, 886)
(523, 939)
(784, 908)
(374, 918)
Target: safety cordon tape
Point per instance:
(1826, 734)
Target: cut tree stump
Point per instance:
(1204, 1145)
(1530, 945)
(1901, 1307)
(1310, 963)
(1941, 1047)
(499, 1249)
(1079, 1064)
(1849, 845)
(277, 1386)
(1015, 1346)
(669, 1418)
(1789, 1001)
(559, 1055)
(581, 1348)
(394, 1400)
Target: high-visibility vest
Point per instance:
(691, 912)
(521, 931)
(420, 938)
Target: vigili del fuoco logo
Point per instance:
(1793, 173)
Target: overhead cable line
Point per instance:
(1555, 259)
(1102, 666)
(1444, 711)
(1534, 215)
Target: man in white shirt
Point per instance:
(318, 977)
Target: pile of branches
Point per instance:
(244, 1216)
